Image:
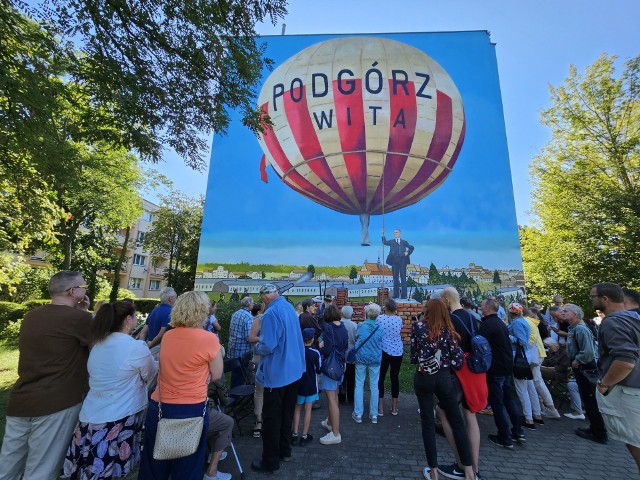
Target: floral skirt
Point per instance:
(104, 450)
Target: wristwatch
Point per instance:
(600, 384)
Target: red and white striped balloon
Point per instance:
(362, 125)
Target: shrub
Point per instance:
(11, 312)
(145, 305)
(11, 333)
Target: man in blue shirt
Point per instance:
(282, 363)
(159, 318)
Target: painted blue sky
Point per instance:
(536, 41)
(469, 218)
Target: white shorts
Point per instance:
(621, 413)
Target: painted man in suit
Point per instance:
(398, 259)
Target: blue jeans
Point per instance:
(185, 468)
(358, 401)
(504, 408)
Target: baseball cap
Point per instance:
(308, 334)
(268, 288)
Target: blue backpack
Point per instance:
(479, 359)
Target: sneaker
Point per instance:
(574, 416)
(330, 439)
(586, 433)
(426, 473)
(325, 425)
(451, 471)
(380, 413)
(374, 419)
(550, 412)
(287, 458)
(223, 455)
(295, 440)
(496, 440)
(394, 412)
(306, 439)
(519, 438)
(316, 405)
(259, 466)
(530, 426)
(356, 418)
(538, 421)
(218, 476)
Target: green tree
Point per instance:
(361, 280)
(434, 276)
(311, 269)
(586, 195)
(353, 274)
(496, 277)
(175, 235)
(171, 72)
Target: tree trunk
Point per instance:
(115, 286)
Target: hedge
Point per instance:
(31, 304)
(11, 312)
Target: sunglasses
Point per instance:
(77, 286)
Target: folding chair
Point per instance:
(241, 396)
(219, 401)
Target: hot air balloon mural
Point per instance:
(361, 125)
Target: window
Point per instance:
(154, 285)
(135, 283)
(138, 260)
(147, 216)
(140, 237)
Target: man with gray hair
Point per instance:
(282, 363)
(45, 402)
(159, 318)
(239, 345)
(348, 385)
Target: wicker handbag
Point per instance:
(177, 437)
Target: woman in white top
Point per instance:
(392, 351)
(106, 441)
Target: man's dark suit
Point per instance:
(398, 262)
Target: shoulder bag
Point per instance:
(177, 437)
(521, 367)
(333, 365)
(351, 358)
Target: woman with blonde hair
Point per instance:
(435, 352)
(190, 357)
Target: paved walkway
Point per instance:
(393, 449)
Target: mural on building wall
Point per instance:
(398, 130)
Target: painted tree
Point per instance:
(175, 235)
(586, 197)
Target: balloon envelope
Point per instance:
(362, 125)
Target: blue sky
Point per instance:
(536, 41)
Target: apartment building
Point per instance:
(141, 272)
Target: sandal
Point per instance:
(257, 431)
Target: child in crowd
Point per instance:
(307, 389)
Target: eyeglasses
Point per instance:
(77, 286)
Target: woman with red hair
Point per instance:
(435, 351)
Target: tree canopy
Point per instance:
(586, 180)
(167, 71)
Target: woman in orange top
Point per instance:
(189, 359)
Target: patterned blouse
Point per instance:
(391, 339)
(422, 348)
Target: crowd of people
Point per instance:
(90, 398)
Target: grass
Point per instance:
(8, 376)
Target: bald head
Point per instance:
(451, 298)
